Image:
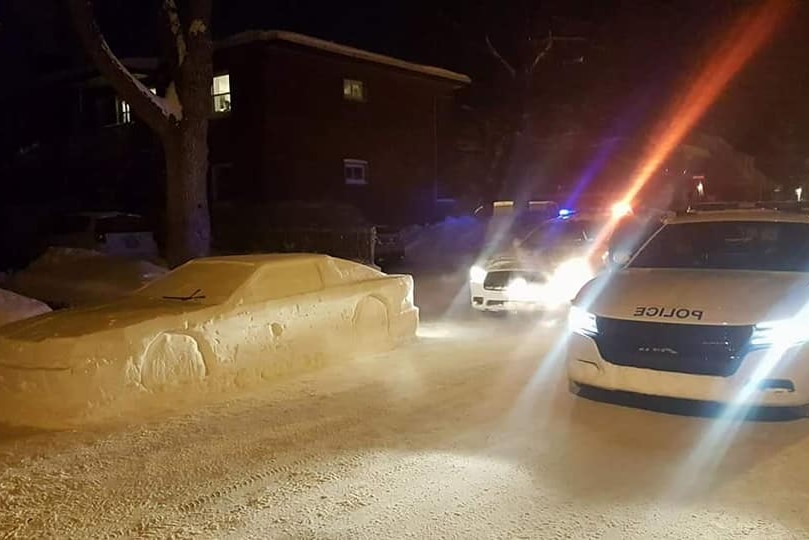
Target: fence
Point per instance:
(254, 230)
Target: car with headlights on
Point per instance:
(544, 270)
(211, 324)
(713, 307)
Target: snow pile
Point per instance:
(458, 242)
(15, 307)
(451, 243)
(74, 277)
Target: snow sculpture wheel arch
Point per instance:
(171, 360)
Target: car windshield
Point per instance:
(729, 245)
(207, 282)
(70, 224)
(121, 224)
(561, 232)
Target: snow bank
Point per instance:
(15, 307)
(449, 244)
(75, 277)
(458, 242)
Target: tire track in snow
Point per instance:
(262, 479)
(397, 462)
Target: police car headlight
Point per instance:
(520, 290)
(571, 275)
(783, 333)
(477, 275)
(580, 321)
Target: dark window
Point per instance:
(356, 172)
(729, 245)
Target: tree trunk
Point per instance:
(187, 217)
(180, 119)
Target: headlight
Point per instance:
(520, 290)
(582, 322)
(784, 333)
(570, 276)
(576, 267)
(621, 209)
(477, 275)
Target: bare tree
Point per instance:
(180, 119)
(519, 40)
(508, 163)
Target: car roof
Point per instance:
(763, 215)
(263, 258)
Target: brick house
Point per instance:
(294, 118)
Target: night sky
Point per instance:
(635, 52)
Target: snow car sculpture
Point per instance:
(207, 325)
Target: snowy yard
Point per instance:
(469, 433)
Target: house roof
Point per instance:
(343, 50)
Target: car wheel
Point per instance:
(172, 360)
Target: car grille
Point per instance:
(680, 348)
(498, 280)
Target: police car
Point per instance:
(713, 307)
(546, 268)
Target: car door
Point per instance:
(283, 321)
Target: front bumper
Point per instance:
(759, 381)
(499, 301)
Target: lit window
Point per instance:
(123, 111)
(221, 93)
(356, 172)
(353, 90)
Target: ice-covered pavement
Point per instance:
(469, 433)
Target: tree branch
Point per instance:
(176, 29)
(499, 57)
(542, 53)
(144, 103)
(549, 42)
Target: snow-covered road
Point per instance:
(469, 433)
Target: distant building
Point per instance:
(293, 118)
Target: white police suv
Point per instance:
(713, 307)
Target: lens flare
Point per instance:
(742, 41)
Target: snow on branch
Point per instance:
(157, 112)
(496, 54)
(197, 27)
(173, 16)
